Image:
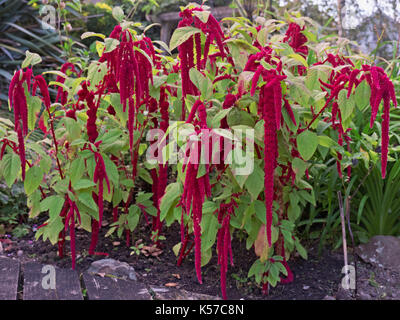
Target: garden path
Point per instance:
(35, 281)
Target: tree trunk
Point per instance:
(340, 24)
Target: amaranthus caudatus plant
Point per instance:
(274, 79)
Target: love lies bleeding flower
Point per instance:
(381, 89)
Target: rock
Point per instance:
(20, 253)
(113, 267)
(364, 296)
(343, 294)
(162, 293)
(382, 252)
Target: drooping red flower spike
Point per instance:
(296, 39)
(195, 189)
(100, 174)
(160, 181)
(18, 102)
(72, 209)
(61, 94)
(190, 51)
(224, 247)
(381, 89)
(270, 108)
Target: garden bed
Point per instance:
(317, 278)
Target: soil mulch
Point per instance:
(315, 278)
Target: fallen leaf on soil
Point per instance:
(171, 284)
(153, 251)
(104, 223)
(176, 275)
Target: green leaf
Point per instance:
(77, 169)
(294, 212)
(53, 230)
(219, 116)
(34, 105)
(255, 182)
(202, 15)
(307, 143)
(142, 197)
(170, 199)
(209, 225)
(92, 34)
(118, 14)
(83, 184)
(299, 58)
(361, 208)
(33, 203)
(87, 200)
(300, 249)
(326, 141)
(33, 178)
(73, 129)
(239, 117)
(53, 204)
(209, 207)
(112, 170)
(259, 207)
(10, 166)
(299, 167)
(180, 35)
(133, 217)
(346, 106)
(312, 78)
(177, 248)
(201, 82)
(257, 270)
(116, 103)
(242, 45)
(96, 73)
(362, 95)
(262, 36)
(110, 44)
(31, 59)
(205, 257)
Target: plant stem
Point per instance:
(55, 144)
(348, 200)
(343, 229)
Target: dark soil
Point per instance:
(315, 278)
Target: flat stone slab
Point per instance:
(161, 293)
(47, 282)
(9, 276)
(113, 288)
(381, 251)
(113, 267)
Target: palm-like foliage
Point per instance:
(381, 213)
(20, 30)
